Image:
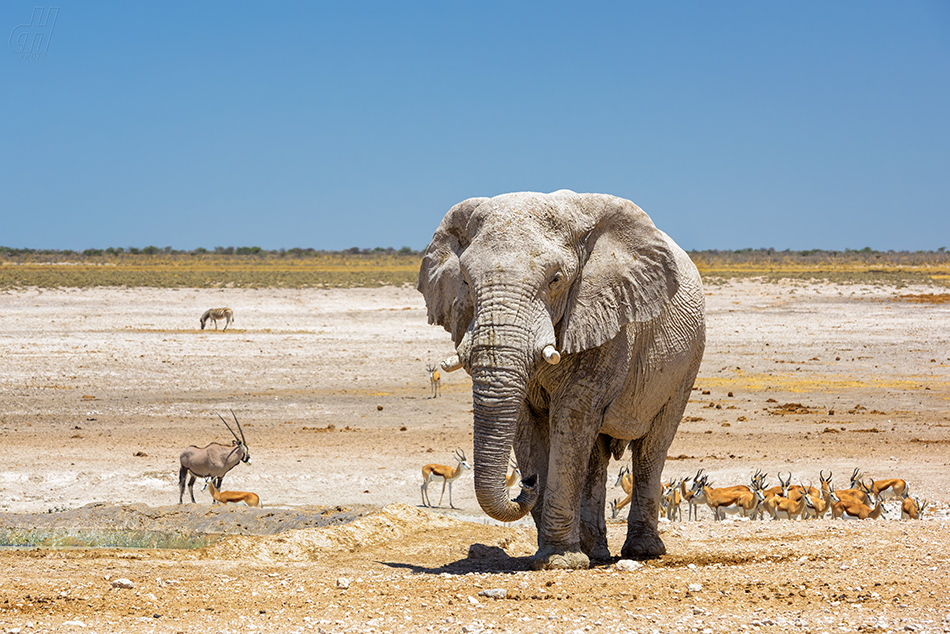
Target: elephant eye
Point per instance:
(557, 278)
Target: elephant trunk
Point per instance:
(501, 357)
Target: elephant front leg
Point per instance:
(559, 532)
(593, 522)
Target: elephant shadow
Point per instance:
(480, 558)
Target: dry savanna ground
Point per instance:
(102, 387)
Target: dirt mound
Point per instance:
(394, 523)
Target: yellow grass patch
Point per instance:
(818, 384)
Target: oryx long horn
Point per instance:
(229, 427)
(243, 441)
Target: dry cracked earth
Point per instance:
(101, 389)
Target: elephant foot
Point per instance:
(549, 559)
(596, 549)
(643, 546)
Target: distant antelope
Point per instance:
(448, 475)
(616, 504)
(690, 495)
(435, 380)
(912, 508)
(732, 500)
(890, 489)
(214, 314)
(851, 509)
(212, 461)
(234, 497)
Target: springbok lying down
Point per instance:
(212, 461)
(235, 497)
(214, 314)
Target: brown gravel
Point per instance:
(102, 388)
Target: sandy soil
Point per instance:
(101, 390)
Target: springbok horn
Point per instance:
(551, 354)
(451, 364)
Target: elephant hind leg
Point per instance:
(649, 455)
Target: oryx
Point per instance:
(213, 461)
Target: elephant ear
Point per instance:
(440, 277)
(628, 276)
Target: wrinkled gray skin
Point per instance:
(622, 303)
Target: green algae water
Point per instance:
(25, 538)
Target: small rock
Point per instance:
(123, 583)
(73, 624)
(14, 630)
(695, 587)
(473, 601)
(343, 583)
(628, 565)
(494, 593)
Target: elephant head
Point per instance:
(521, 279)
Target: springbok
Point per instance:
(214, 314)
(671, 498)
(616, 504)
(816, 506)
(435, 380)
(234, 497)
(625, 482)
(851, 509)
(689, 495)
(212, 461)
(448, 475)
(890, 489)
(912, 508)
(785, 505)
(859, 490)
(732, 500)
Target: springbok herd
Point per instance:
(863, 499)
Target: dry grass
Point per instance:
(343, 269)
(209, 271)
(849, 267)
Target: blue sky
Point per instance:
(330, 125)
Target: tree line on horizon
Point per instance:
(300, 252)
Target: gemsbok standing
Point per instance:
(212, 461)
(448, 475)
(214, 314)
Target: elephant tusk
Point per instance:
(451, 364)
(551, 355)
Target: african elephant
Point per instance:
(582, 326)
